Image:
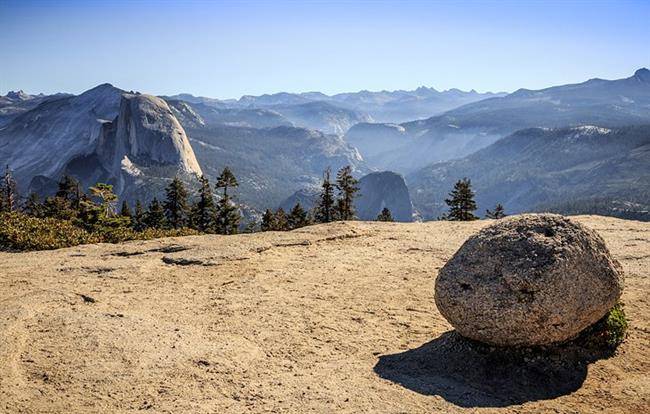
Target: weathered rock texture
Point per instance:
(528, 280)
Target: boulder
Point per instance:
(528, 280)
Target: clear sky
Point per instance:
(228, 49)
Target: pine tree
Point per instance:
(385, 215)
(297, 217)
(204, 213)
(70, 191)
(155, 216)
(227, 212)
(108, 198)
(33, 206)
(268, 221)
(8, 192)
(325, 209)
(347, 186)
(281, 220)
(125, 211)
(461, 202)
(138, 220)
(497, 213)
(175, 205)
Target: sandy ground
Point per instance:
(331, 318)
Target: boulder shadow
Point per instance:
(470, 374)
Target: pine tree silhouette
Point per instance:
(8, 192)
(324, 212)
(461, 202)
(297, 217)
(268, 221)
(227, 212)
(497, 213)
(347, 186)
(204, 211)
(155, 216)
(385, 215)
(175, 205)
(138, 220)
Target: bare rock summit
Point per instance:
(528, 280)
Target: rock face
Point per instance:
(528, 280)
(130, 140)
(147, 133)
(384, 189)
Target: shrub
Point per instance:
(610, 331)
(22, 232)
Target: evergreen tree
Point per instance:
(138, 220)
(155, 216)
(385, 215)
(324, 212)
(281, 220)
(33, 206)
(297, 217)
(227, 212)
(8, 192)
(70, 191)
(347, 186)
(108, 198)
(268, 221)
(125, 211)
(497, 213)
(176, 204)
(204, 213)
(461, 202)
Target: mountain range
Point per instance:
(461, 131)
(542, 169)
(566, 148)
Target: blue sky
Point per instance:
(228, 49)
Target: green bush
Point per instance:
(610, 331)
(20, 232)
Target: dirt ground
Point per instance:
(330, 318)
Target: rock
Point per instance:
(528, 280)
(376, 191)
(383, 189)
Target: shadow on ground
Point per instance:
(470, 374)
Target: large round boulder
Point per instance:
(528, 280)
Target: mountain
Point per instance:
(201, 114)
(461, 131)
(270, 163)
(18, 102)
(43, 140)
(401, 106)
(317, 110)
(137, 142)
(323, 116)
(376, 191)
(549, 169)
(383, 189)
(132, 141)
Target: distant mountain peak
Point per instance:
(642, 74)
(18, 95)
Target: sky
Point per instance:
(227, 49)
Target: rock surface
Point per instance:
(383, 189)
(528, 280)
(328, 318)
